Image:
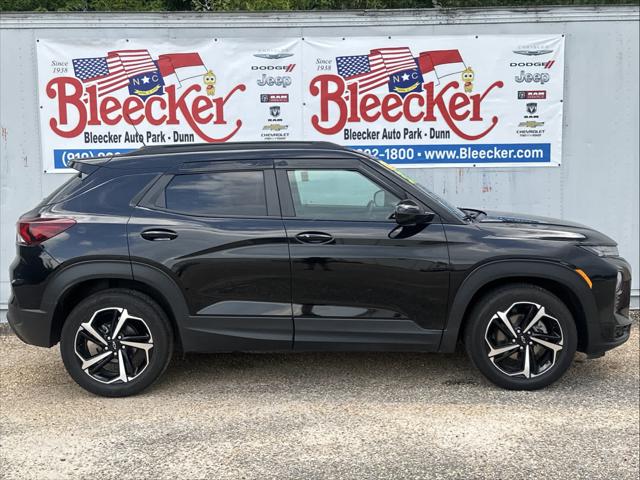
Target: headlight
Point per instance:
(601, 250)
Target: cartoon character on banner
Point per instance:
(467, 78)
(209, 80)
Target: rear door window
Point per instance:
(237, 193)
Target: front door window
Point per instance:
(339, 195)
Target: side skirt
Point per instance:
(209, 334)
(342, 334)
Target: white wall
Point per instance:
(597, 183)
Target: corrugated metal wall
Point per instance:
(597, 183)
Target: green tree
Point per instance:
(256, 5)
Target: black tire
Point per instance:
(144, 364)
(517, 303)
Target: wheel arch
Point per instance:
(559, 279)
(82, 279)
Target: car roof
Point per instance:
(226, 147)
(161, 157)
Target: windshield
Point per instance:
(455, 211)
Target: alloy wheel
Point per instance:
(523, 340)
(113, 346)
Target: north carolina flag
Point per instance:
(176, 67)
(436, 64)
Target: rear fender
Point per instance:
(72, 275)
(153, 278)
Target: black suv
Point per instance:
(298, 247)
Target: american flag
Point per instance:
(113, 72)
(373, 70)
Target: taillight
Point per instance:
(37, 230)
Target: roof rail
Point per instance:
(228, 146)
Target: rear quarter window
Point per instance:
(64, 191)
(111, 195)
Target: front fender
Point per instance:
(518, 270)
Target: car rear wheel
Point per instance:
(116, 342)
(521, 337)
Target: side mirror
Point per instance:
(409, 213)
(378, 198)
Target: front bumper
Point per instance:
(613, 335)
(610, 326)
(31, 326)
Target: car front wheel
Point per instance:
(521, 337)
(116, 342)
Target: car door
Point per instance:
(359, 281)
(215, 228)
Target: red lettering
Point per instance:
(94, 118)
(446, 115)
(390, 103)
(457, 102)
(148, 110)
(176, 104)
(320, 86)
(476, 99)
(57, 87)
(130, 106)
(353, 102)
(220, 103)
(429, 114)
(341, 104)
(370, 102)
(201, 104)
(406, 107)
(107, 107)
(74, 102)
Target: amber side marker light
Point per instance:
(585, 277)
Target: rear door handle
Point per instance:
(314, 237)
(158, 234)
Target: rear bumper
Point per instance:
(26, 314)
(31, 326)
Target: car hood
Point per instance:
(543, 228)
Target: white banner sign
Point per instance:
(412, 101)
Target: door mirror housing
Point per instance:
(379, 198)
(409, 213)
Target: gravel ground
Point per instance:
(320, 416)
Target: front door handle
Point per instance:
(314, 237)
(158, 234)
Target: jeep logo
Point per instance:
(281, 81)
(540, 78)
